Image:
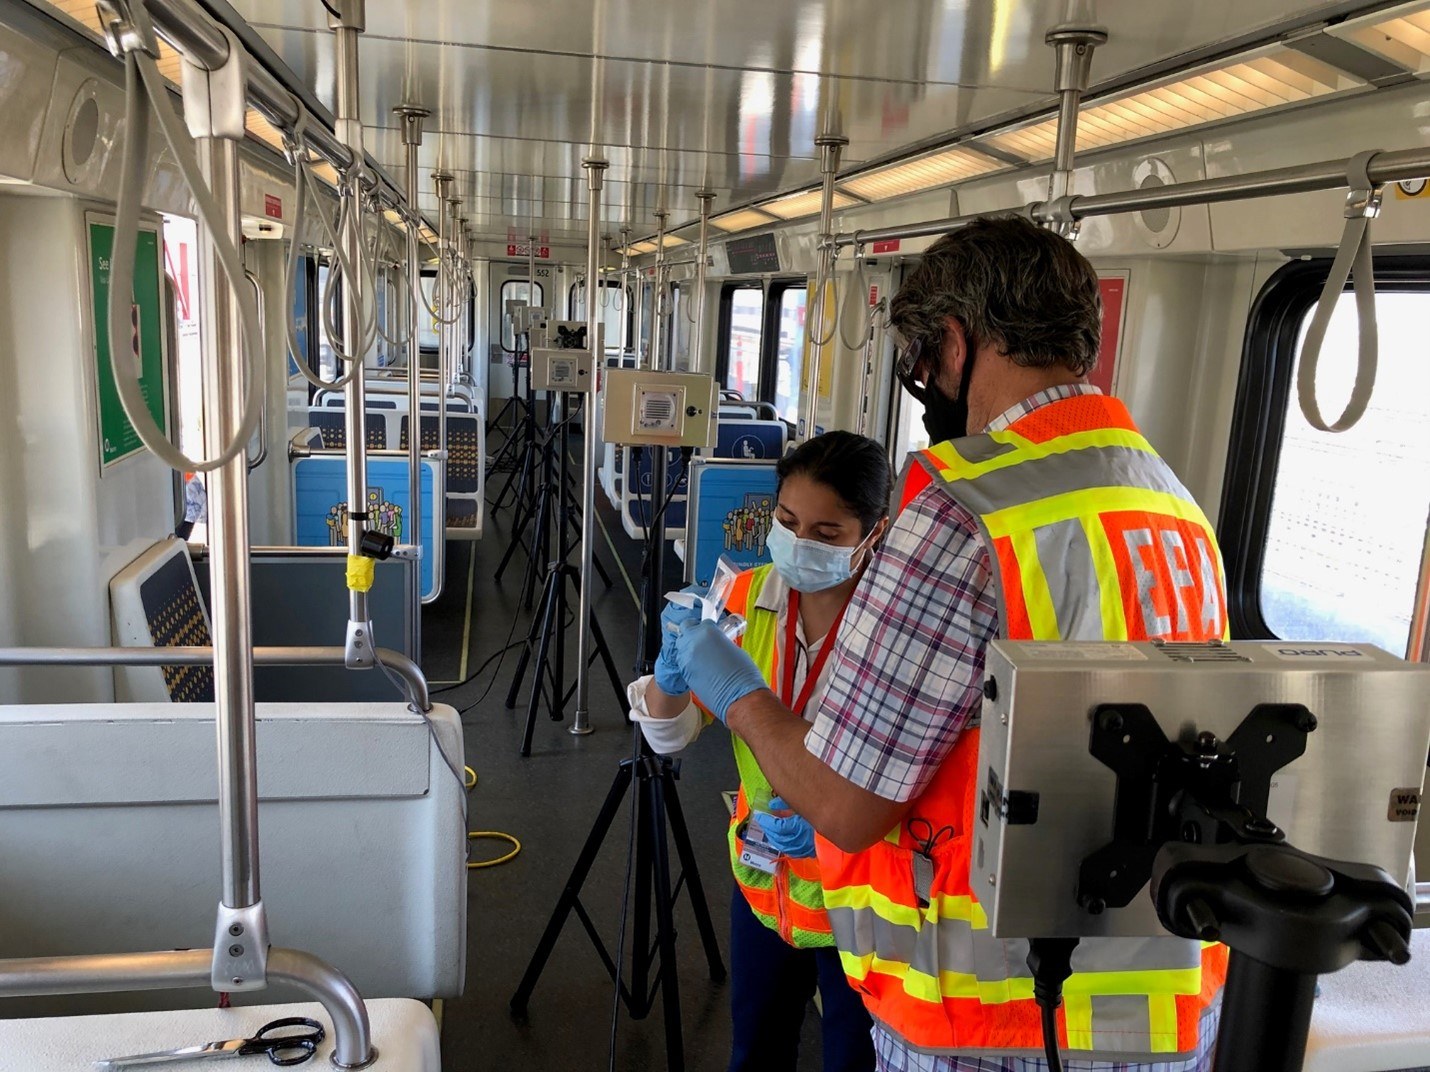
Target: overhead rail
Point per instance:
(202, 41)
(1383, 167)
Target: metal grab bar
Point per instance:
(410, 673)
(1385, 167)
(174, 969)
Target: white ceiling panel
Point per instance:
(727, 94)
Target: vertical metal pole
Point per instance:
(411, 117)
(659, 466)
(629, 306)
(595, 172)
(657, 326)
(1074, 46)
(229, 604)
(697, 346)
(440, 300)
(829, 146)
(346, 27)
(454, 330)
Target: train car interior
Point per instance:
(370, 372)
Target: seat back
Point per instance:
(730, 506)
(155, 602)
(110, 838)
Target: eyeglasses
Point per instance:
(906, 366)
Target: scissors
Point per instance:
(282, 1047)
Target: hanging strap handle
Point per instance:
(1362, 206)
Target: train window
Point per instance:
(682, 321)
(615, 311)
(181, 265)
(1324, 532)
(512, 290)
(327, 358)
(742, 319)
(789, 356)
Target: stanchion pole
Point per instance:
(595, 171)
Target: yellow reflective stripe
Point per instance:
(1037, 598)
(892, 837)
(1077, 1012)
(943, 906)
(1114, 614)
(1088, 501)
(954, 466)
(1167, 981)
(1162, 1014)
(1079, 989)
(869, 899)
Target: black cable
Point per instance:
(507, 645)
(1050, 961)
(477, 672)
(330, 9)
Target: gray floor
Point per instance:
(549, 801)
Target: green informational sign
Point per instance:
(117, 438)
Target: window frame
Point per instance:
(613, 285)
(501, 305)
(774, 291)
(1265, 391)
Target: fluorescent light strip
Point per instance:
(923, 173)
(86, 14)
(1403, 39)
(793, 206)
(742, 220)
(1271, 79)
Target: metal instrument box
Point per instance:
(1353, 795)
(659, 409)
(562, 370)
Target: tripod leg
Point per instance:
(516, 541)
(521, 665)
(640, 938)
(604, 650)
(686, 852)
(550, 602)
(572, 890)
(665, 923)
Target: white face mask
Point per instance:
(808, 565)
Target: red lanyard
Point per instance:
(811, 678)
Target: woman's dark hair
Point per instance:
(855, 466)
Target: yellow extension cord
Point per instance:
(490, 835)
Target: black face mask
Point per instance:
(947, 418)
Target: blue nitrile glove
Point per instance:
(790, 835)
(673, 619)
(716, 669)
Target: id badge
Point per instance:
(756, 852)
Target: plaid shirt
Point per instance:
(907, 678)
(908, 669)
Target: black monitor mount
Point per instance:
(1190, 817)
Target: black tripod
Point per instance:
(550, 624)
(656, 801)
(522, 447)
(505, 459)
(538, 510)
(1193, 817)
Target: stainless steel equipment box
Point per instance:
(562, 370)
(554, 334)
(659, 409)
(1353, 795)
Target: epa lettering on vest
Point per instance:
(1176, 589)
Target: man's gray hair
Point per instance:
(1011, 284)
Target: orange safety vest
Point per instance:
(1092, 537)
(790, 901)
